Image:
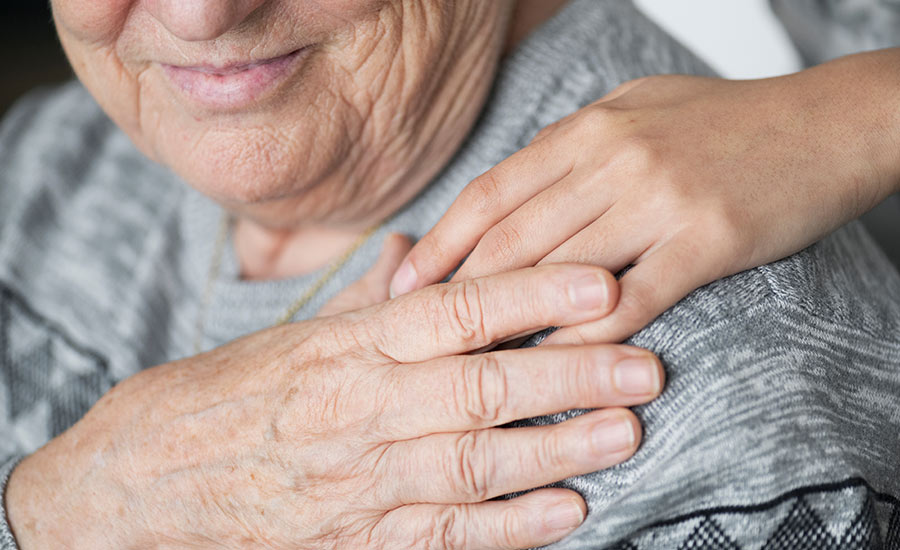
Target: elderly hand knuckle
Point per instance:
(463, 308)
(472, 465)
(581, 378)
(484, 389)
(549, 453)
(447, 531)
(509, 532)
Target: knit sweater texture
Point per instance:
(779, 424)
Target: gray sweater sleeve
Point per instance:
(780, 415)
(826, 29)
(48, 377)
(10, 451)
(7, 541)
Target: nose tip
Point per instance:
(194, 20)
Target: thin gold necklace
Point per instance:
(215, 267)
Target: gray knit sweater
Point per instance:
(779, 424)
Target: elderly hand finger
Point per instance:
(482, 464)
(455, 318)
(483, 203)
(480, 391)
(535, 519)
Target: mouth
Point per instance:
(237, 85)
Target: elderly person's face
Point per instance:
(291, 111)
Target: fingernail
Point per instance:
(404, 279)
(589, 292)
(564, 516)
(636, 376)
(612, 436)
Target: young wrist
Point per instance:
(870, 85)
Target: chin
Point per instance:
(233, 188)
(246, 167)
(276, 199)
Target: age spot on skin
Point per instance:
(273, 433)
(289, 396)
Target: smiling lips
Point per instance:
(235, 86)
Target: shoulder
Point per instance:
(59, 142)
(781, 391)
(59, 152)
(825, 29)
(615, 39)
(71, 181)
(83, 215)
(576, 57)
(840, 285)
(49, 128)
(780, 379)
(782, 384)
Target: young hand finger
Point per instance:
(483, 203)
(655, 284)
(537, 227)
(372, 288)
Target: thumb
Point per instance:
(373, 287)
(378, 279)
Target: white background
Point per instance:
(738, 38)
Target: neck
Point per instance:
(267, 253)
(529, 15)
(279, 254)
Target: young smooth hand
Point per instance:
(686, 179)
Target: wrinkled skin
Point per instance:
(385, 96)
(369, 429)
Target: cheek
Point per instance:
(92, 21)
(115, 88)
(306, 138)
(350, 10)
(89, 31)
(295, 144)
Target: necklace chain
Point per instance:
(215, 268)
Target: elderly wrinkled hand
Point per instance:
(687, 179)
(371, 429)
